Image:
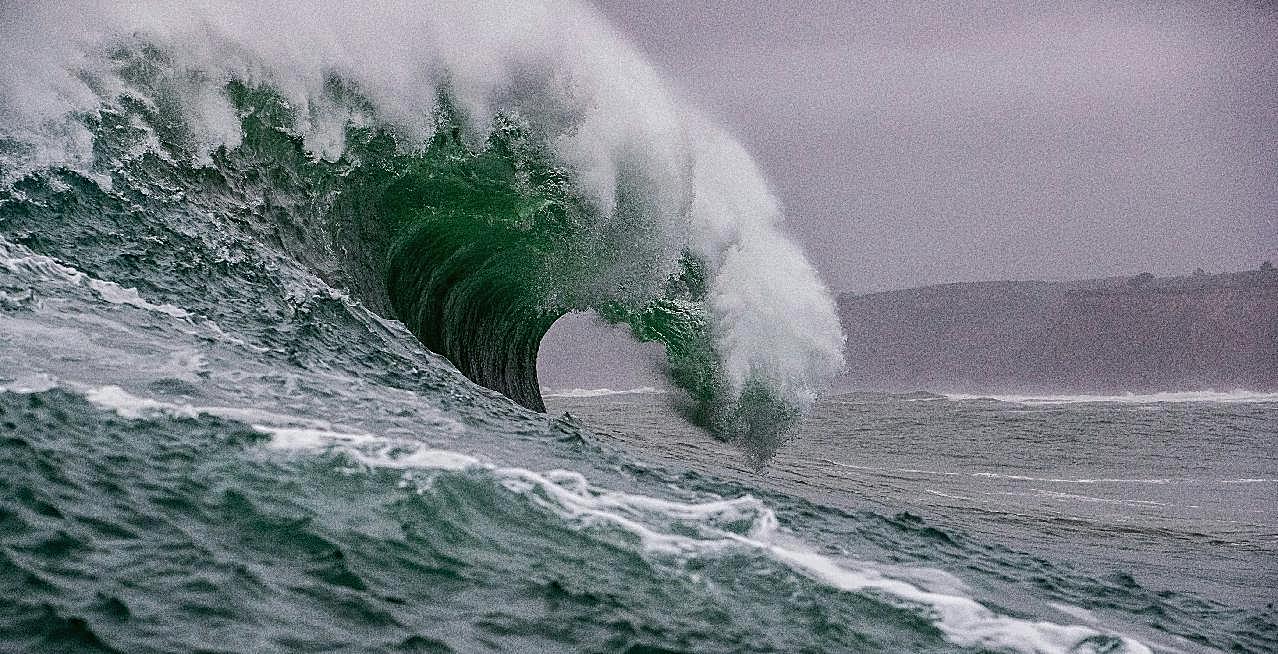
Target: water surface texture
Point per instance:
(272, 286)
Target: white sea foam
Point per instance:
(1079, 480)
(367, 448)
(721, 527)
(662, 528)
(602, 392)
(1155, 481)
(286, 429)
(127, 405)
(18, 259)
(1238, 396)
(30, 383)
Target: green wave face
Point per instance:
(487, 247)
(491, 246)
(478, 239)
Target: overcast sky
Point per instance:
(936, 142)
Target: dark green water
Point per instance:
(313, 480)
(149, 528)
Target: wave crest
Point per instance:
(476, 172)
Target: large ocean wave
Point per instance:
(473, 171)
(248, 260)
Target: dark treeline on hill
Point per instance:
(1140, 334)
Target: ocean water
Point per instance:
(1141, 510)
(272, 286)
(311, 520)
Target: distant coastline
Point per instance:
(1139, 334)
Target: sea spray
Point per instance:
(475, 171)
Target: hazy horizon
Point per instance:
(913, 144)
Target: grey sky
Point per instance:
(935, 142)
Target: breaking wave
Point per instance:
(473, 171)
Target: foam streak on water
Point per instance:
(1235, 396)
(602, 392)
(721, 525)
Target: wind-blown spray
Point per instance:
(475, 171)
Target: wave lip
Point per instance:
(1237, 396)
(475, 187)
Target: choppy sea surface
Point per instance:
(206, 447)
(167, 486)
(1159, 506)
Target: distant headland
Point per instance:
(1140, 333)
